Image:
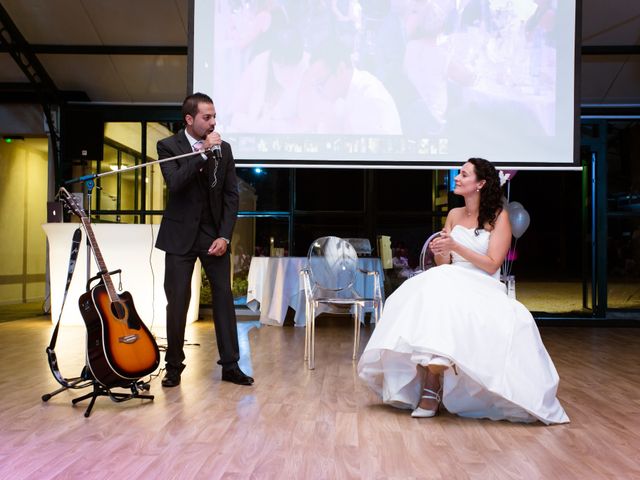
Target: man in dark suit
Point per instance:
(198, 221)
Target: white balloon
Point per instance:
(520, 220)
(513, 206)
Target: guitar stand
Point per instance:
(100, 390)
(72, 384)
(76, 383)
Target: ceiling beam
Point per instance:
(16, 92)
(621, 111)
(104, 49)
(610, 50)
(17, 46)
(183, 50)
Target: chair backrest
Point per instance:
(427, 258)
(333, 263)
(362, 246)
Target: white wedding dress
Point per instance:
(459, 315)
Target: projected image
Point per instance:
(408, 79)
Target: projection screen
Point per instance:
(390, 83)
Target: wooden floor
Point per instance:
(300, 424)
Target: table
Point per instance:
(274, 286)
(129, 247)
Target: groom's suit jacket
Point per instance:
(183, 212)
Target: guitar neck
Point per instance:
(113, 296)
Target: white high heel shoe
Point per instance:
(429, 395)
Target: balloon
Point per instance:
(520, 220)
(512, 207)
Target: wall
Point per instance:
(23, 210)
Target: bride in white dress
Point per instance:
(451, 335)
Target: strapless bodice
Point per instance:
(478, 243)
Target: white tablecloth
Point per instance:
(124, 246)
(274, 286)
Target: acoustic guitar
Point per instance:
(120, 348)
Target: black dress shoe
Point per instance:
(171, 379)
(237, 376)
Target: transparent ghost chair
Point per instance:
(328, 279)
(427, 257)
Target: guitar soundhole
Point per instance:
(119, 311)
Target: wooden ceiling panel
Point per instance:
(156, 78)
(10, 72)
(124, 78)
(93, 74)
(100, 22)
(625, 87)
(58, 22)
(610, 22)
(610, 79)
(139, 22)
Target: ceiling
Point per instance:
(77, 43)
(126, 78)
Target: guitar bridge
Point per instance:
(128, 339)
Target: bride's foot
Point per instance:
(429, 404)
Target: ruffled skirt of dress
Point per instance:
(463, 316)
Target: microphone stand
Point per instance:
(91, 176)
(89, 181)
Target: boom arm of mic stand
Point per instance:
(91, 176)
(89, 182)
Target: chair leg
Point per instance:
(306, 331)
(356, 331)
(360, 322)
(312, 339)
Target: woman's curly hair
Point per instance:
(490, 194)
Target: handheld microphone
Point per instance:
(217, 152)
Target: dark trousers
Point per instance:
(177, 287)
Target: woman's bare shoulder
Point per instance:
(454, 216)
(501, 224)
(503, 216)
(455, 212)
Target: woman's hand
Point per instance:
(443, 245)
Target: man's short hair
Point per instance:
(332, 52)
(190, 104)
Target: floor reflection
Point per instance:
(245, 347)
